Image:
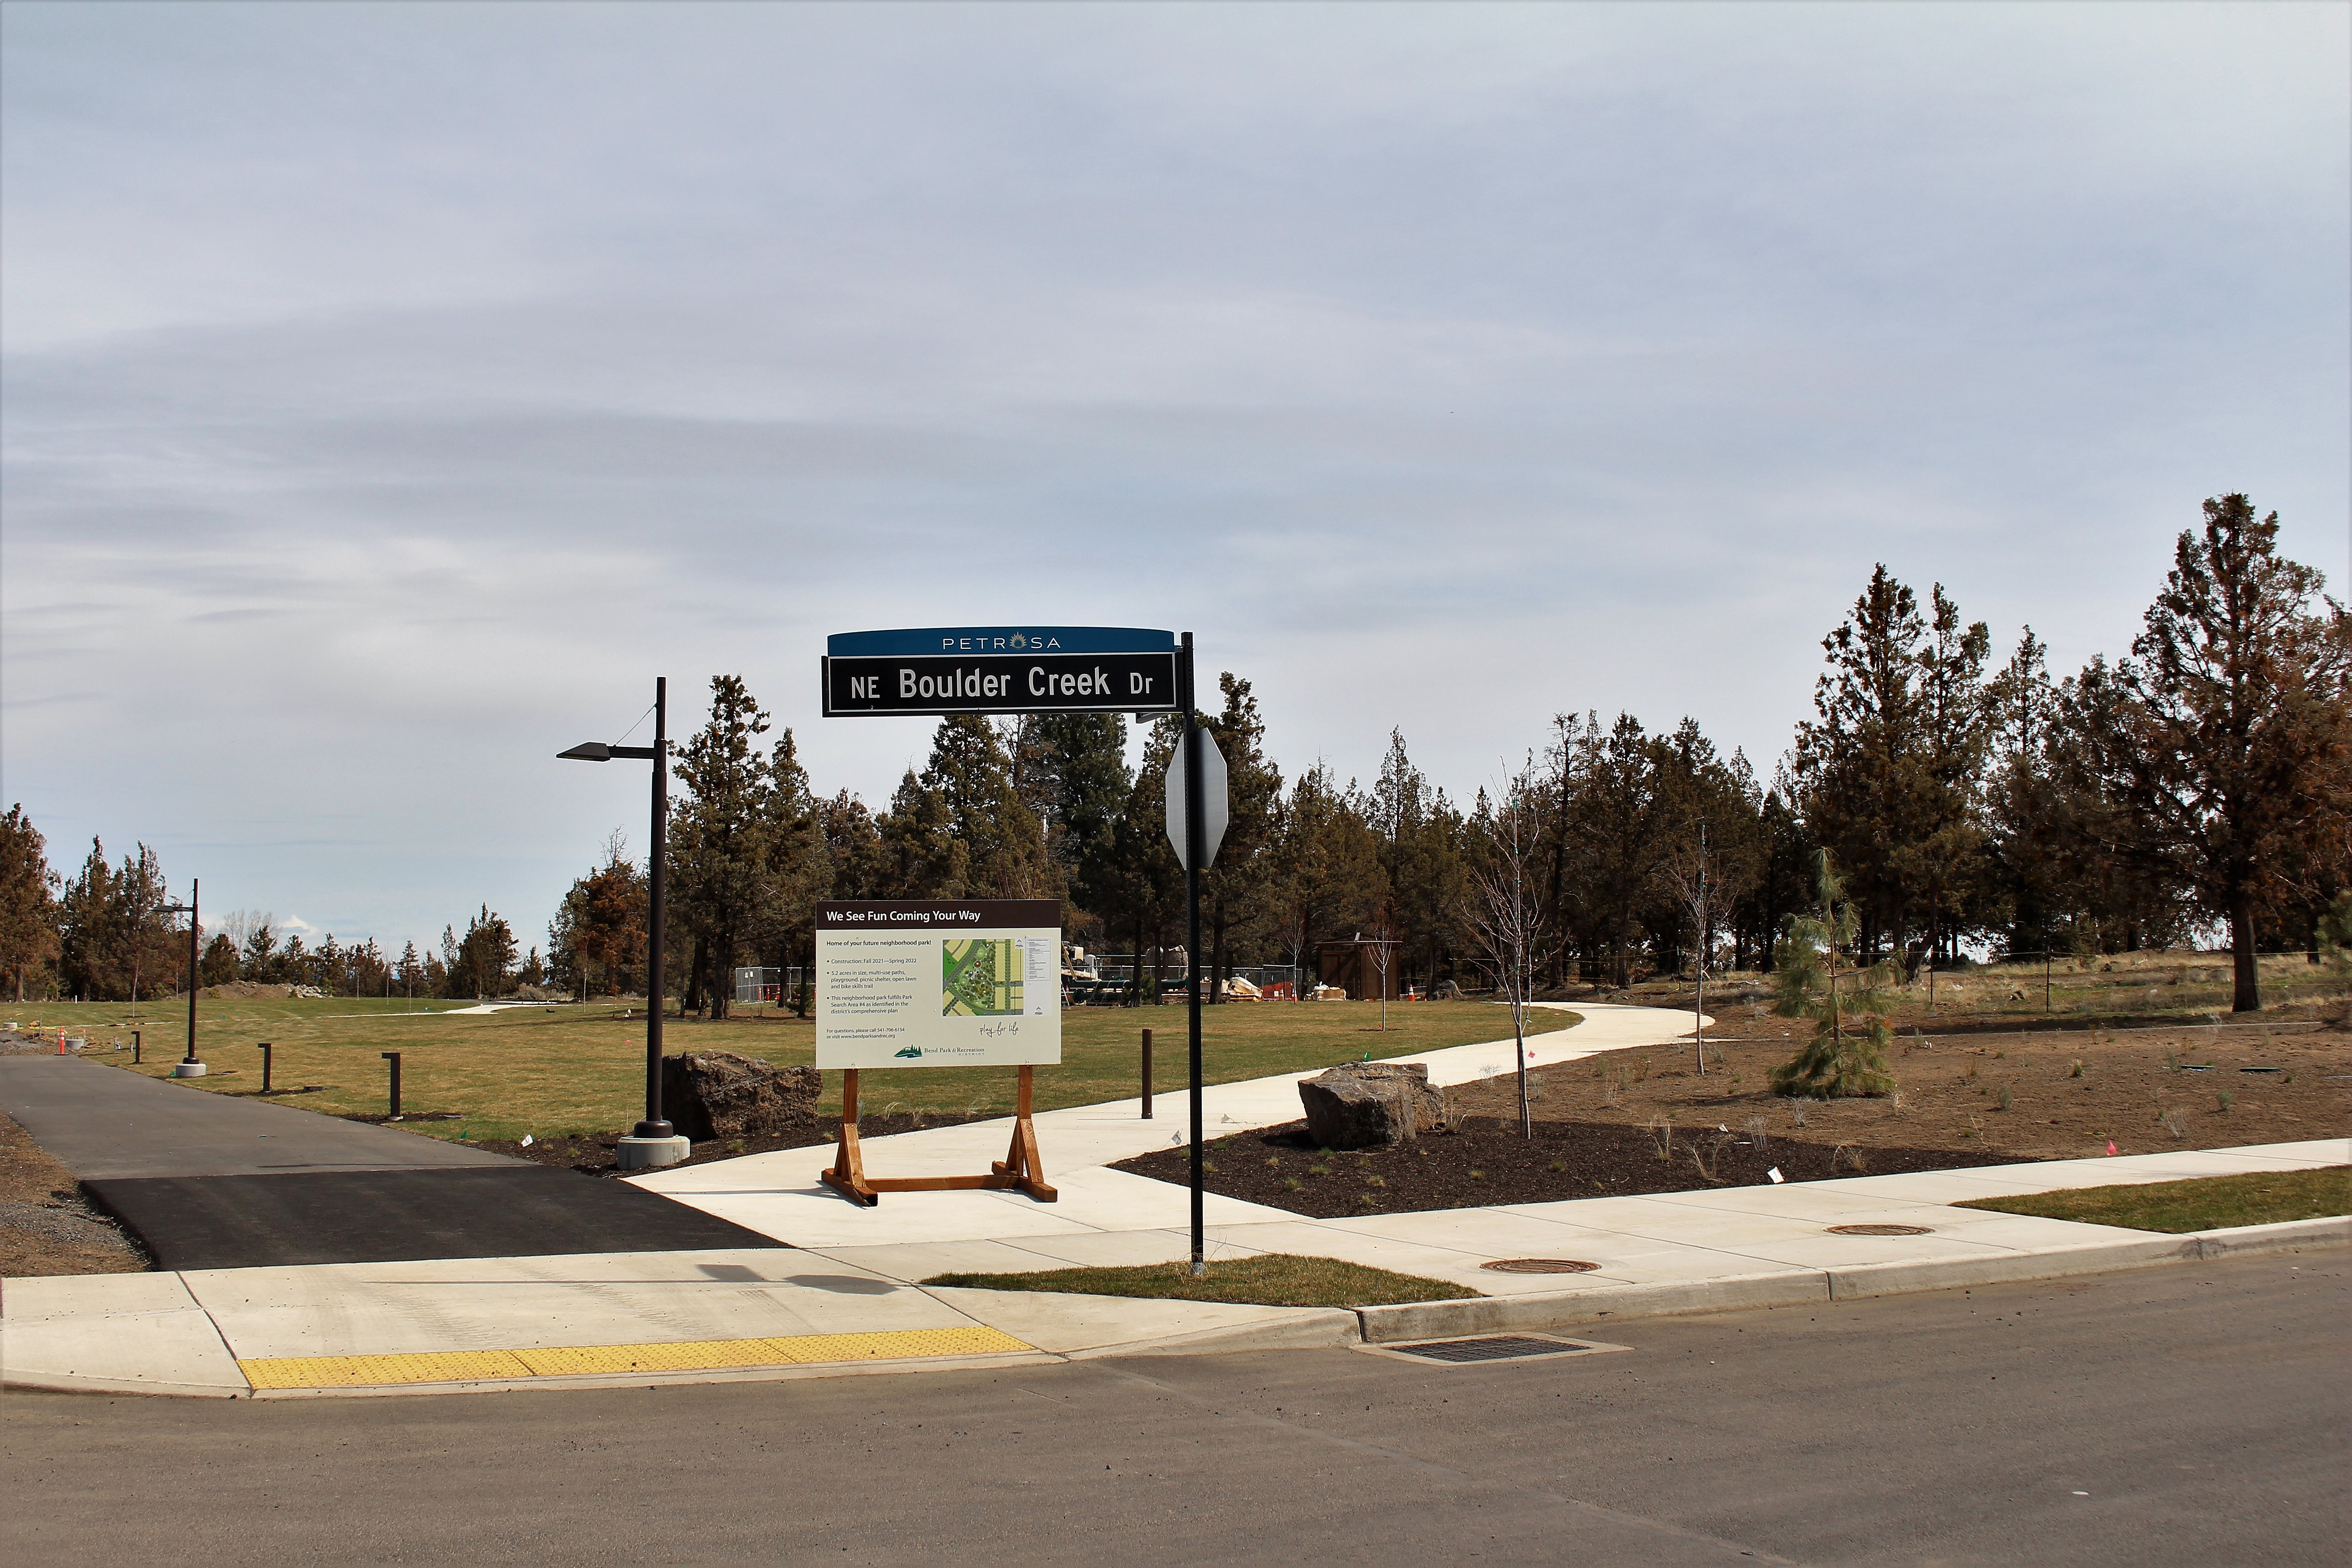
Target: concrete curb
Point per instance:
(1811, 1286)
(2288, 1235)
(1560, 1309)
(1311, 1327)
(66, 1383)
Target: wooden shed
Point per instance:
(1354, 966)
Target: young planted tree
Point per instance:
(1505, 908)
(1846, 1057)
(1691, 878)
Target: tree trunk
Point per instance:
(693, 996)
(722, 978)
(2248, 997)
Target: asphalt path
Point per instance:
(103, 1123)
(2188, 1414)
(207, 1180)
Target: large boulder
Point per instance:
(718, 1094)
(1360, 1104)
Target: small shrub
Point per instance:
(2007, 1098)
(1291, 1184)
(1477, 1175)
(1318, 1169)
(1556, 1167)
(1274, 1163)
(2227, 1099)
(1376, 1181)
(2172, 1124)
(1369, 1202)
(2074, 1070)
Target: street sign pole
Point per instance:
(1194, 853)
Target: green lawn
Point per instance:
(1272, 1279)
(2203, 1203)
(561, 1070)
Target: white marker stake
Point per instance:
(1775, 1173)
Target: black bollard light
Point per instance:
(394, 1058)
(264, 1049)
(134, 1048)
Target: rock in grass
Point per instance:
(1360, 1104)
(718, 1094)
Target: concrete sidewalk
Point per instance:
(850, 1299)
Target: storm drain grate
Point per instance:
(1880, 1230)
(1491, 1347)
(1539, 1266)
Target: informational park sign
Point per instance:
(908, 984)
(999, 670)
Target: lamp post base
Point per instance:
(649, 1153)
(187, 1069)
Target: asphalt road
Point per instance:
(2188, 1413)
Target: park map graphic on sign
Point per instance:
(980, 979)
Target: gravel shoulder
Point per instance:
(45, 1226)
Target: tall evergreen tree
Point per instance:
(2226, 732)
(28, 904)
(1072, 774)
(728, 844)
(1234, 889)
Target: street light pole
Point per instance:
(654, 1141)
(654, 1125)
(189, 1067)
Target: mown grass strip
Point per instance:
(561, 1070)
(2200, 1203)
(1270, 1279)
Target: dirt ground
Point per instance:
(44, 1226)
(2015, 1087)
(1484, 1161)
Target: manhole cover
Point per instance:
(1880, 1230)
(1539, 1266)
(1494, 1347)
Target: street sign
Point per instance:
(1000, 669)
(1213, 801)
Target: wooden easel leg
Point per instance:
(848, 1174)
(1021, 1161)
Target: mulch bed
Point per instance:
(1487, 1162)
(595, 1155)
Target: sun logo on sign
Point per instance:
(1020, 641)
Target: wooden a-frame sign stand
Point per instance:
(1021, 1170)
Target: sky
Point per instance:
(388, 393)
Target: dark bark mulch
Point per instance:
(595, 1154)
(1487, 1162)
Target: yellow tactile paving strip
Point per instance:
(590, 1361)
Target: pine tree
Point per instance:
(1846, 1057)
(29, 905)
(1234, 889)
(2227, 736)
(726, 844)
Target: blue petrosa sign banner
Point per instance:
(1000, 669)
